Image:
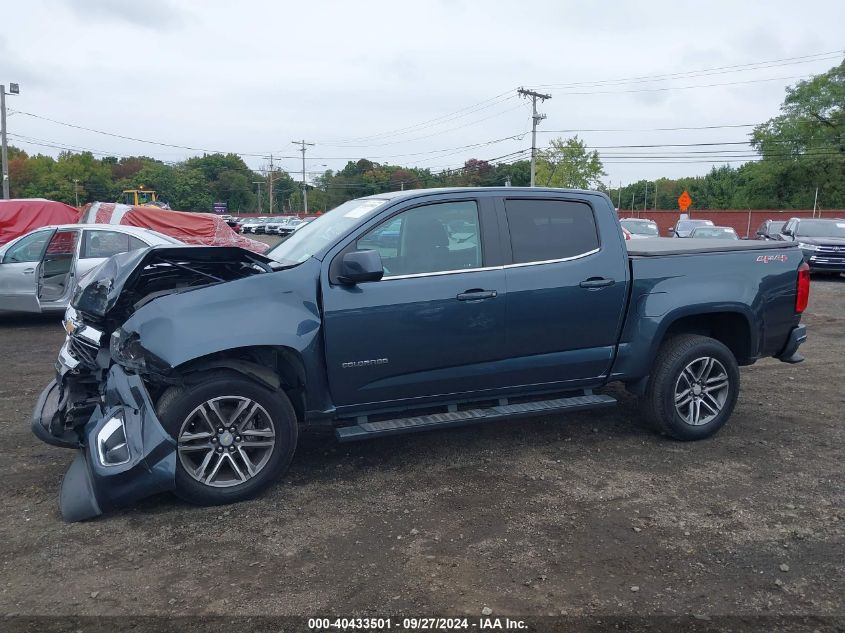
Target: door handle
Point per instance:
(477, 294)
(597, 282)
(28, 271)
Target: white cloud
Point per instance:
(252, 76)
(149, 14)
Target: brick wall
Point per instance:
(738, 219)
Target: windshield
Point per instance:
(821, 228)
(641, 227)
(715, 232)
(322, 231)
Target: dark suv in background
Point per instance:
(821, 241)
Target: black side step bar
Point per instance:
(397, 426)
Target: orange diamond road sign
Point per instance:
(684, 201)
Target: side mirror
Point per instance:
(359, 266)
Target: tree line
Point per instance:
(801, 150)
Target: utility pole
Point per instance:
(645, 198)
(655, 195)
(536, 117)
(258, 184)
(76, 191)
(815, 202)
(302, 149)
(270, 185)
(4, 152)
(619, 197)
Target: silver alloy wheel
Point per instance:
(226, 441)
(701, 391)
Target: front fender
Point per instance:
(273, 309)
(276, 310)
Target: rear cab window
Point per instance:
(549, 230)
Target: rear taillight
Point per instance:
(802, 297)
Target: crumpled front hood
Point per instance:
(97, 292)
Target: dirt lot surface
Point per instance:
(272, 240)
(583, 514)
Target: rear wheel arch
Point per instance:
(732, 328)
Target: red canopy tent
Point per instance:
(191, 228)
(18, 217)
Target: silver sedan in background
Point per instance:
(38, 270)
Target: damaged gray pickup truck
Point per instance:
(193, 369)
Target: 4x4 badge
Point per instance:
(772, 258)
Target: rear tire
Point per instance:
(693, 387)
(234, 437)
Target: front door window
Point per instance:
(428, 239)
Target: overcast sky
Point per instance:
(405, 83)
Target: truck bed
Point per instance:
(661, 246)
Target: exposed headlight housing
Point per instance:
(69, 322)
(112, 448)
(126, 350)
(808, 247)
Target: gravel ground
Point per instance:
(582, 514)
(272, 240)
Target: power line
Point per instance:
(496, 100)
(139, 140)
(670, 88)
(761, 65)
(427, 136)
(653, 129)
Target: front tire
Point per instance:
(693, 387)
(234, 437)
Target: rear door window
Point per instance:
(100, 244)
(544, 230)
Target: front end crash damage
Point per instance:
(134, 325)
(125, 455)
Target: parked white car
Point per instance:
(640, 228)
(38, 270)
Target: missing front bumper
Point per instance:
(91, 487)
(47, 423)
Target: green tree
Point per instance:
(803, 147)
(567, 163)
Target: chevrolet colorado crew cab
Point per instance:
(398, 313)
